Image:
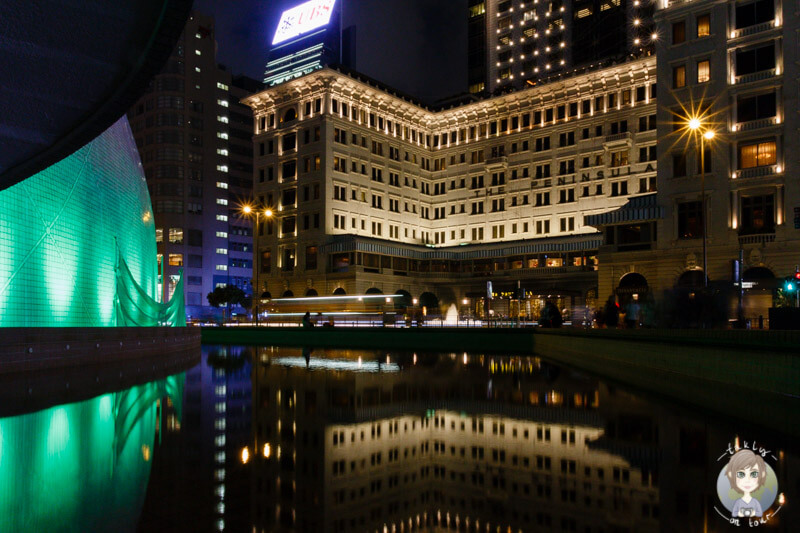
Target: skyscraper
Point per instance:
(194, 141)
(512, 44)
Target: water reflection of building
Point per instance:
(198, 482)
(681, 449)
(446, 443)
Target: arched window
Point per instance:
(289, 115)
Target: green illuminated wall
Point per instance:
(59, 234)
(82, 466)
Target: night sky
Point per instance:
(415, 46)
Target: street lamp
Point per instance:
(248, 211)
(696, 126)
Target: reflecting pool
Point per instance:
(298, 439)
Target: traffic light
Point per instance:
(792, 283)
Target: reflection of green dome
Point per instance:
(82, 466)
(60, 233)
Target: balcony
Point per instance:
(497, 163)
(757, 172)
(756, 238)
(618, 138)
(756, 76)
(755, 124)
(752, 30)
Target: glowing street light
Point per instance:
(695, 125)
(248, 211)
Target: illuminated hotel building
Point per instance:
(194, 138)
(372, 191)
(513, 41)
(735, 66)
(470, 449)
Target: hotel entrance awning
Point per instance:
(637, 209)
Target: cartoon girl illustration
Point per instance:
(746, 473)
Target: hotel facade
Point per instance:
(731, 65)
(373, 192)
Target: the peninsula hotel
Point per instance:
(371, 191)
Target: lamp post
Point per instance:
(696, 126)
(248, 210)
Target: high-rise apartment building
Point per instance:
(732, 67)
(513, 43)
(194, 138)
(373, 192)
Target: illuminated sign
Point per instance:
(303, 18)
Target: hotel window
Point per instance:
(757, 154)
(311, 257)
(647, 153)
(704, 25)
(266, 262)
(756, 107)
(176, 235)
(647, 122)
(703, 71)
(758, 214)
(706, 159)
(619, 188)
(679, 165)
(566, 196)
(678, 76)
(175, 259)
(542, 227)
(678, 32)
(339, 164)
(159, 235)
(690, 220)
(755, 59)
(619, 159)
(752, 13)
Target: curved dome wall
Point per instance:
(59, 233)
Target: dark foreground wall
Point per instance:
(40, 367)
(431, 339)
(43, 349)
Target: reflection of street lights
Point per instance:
(248, 210)
(696, 126)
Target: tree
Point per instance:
(227, 296)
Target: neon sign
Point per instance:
(303, 18)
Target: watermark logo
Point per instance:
(747, 485)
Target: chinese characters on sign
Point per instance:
(303, 18)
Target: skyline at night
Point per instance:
(390, 266)
(422, 50)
